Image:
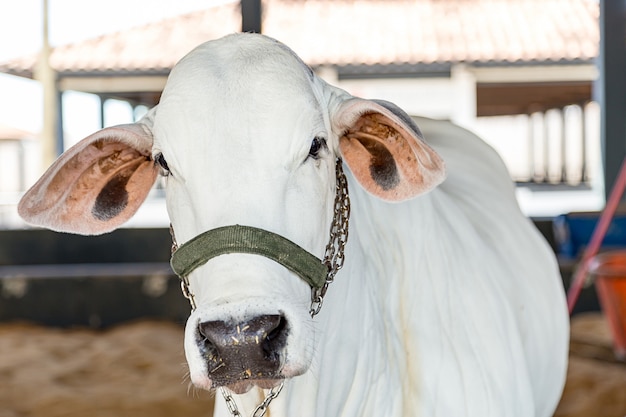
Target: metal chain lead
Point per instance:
(260, 410)
(184, 281)
(334, 256)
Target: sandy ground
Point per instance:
(138, 369)
(596, 382)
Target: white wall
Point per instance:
(454, 98)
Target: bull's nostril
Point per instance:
(275, 340)
(208, 349)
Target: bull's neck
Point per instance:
(360, 327)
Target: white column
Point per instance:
(464, 93)
(47, 76)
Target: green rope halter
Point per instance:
(246, 239)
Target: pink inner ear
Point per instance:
(389, 160)
(94, 187)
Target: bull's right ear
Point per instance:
(96, 185)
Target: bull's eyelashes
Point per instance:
(317, 145)
(160, 160)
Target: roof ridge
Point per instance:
(155, 23)
(330, 32)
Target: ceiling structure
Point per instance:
(408, 38)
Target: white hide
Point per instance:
(449, 304)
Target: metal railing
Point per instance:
(560, 147)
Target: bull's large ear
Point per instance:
(384, 150)
(96, 185)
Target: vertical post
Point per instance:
(563, 145)
(611, 88)
(21, 165)
(532, 171)
(583, 145)
(47, 76)
(59, 142)
(251, 16)
(464, 82)
(546, 147)
(102, 115)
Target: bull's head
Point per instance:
(246, 134)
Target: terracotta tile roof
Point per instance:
(356, 32)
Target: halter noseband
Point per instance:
(246, 239)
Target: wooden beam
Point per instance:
(113, 84)
(497, 99)
(535, 73)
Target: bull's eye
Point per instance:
(160, 159)
(317, 145)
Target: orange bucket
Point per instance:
(609, 271)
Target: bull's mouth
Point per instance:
(245, 385)
(240, 374)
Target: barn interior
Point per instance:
(84, 321)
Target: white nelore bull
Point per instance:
(448, 304)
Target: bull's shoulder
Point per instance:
(475, 171)
(463, 151)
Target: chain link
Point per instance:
(230, 403)
(334, 256)
(184, 281)
(260, 410)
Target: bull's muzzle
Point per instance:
(249, 351)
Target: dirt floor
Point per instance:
(138, 369)
(596, 381)
(132, 370)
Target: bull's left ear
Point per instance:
(96, 185)
(384, 150)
